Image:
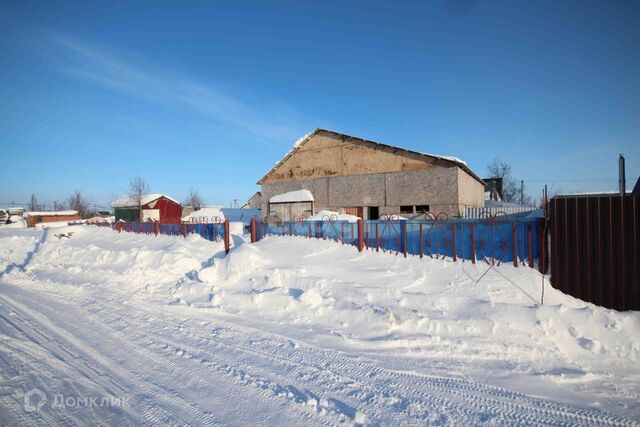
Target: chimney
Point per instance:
(621, 180)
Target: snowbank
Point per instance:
(360, 337)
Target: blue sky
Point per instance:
(210, 95)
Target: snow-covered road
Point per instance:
(125, 329)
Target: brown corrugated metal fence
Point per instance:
(595, 249)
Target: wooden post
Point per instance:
(227, 238)
(254, 238)
(514, 235)
(184, 230)
(403, 228)
(453, 237)
(473, 243)
(377, 240)
(156, 227)
(290, 229)
(360, 235)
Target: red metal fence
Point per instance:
(594, 249)
(214, 228)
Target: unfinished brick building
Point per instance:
(370, 179)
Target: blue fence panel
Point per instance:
(491, 240)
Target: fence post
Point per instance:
(290, 229)
(184, 230)
(360, 235)
(253, 230)
(156, 226)
(377, 240)
(530, 245)
(542, 245)
(454, 245)
(226, 236)
(403, 228)
(473, 243)
(421, 242)
(514, 235)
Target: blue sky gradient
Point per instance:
(210, 95)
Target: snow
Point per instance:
(126, 202)
(324, 215)
(293, 331)
(208, 213)
(54, 224)
(293, 196)
(50, 213)
(16, 222)
(449, 158)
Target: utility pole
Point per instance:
(621, 176)
(521, 192)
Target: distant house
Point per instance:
(36, 217)
(254, 202)
(155, 207)
(368, 179)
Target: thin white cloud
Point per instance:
(107, 70)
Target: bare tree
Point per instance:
(138, 188)
(34, 205)
(58, 206)
(500, 169)
(194, 200)
(77, 202)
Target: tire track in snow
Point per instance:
(151, 412)
(466, 401)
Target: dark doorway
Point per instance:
(374, 213)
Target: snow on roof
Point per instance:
(325, 215)
(293, 196)
(243, 215)
(127, 202)
(50, 213)
(207, 213)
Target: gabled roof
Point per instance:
(128, 202)
(300, 142)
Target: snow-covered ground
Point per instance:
(118, 328)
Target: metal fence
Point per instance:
(594, 249)
(213, 229)
(493, 239)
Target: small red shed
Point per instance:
(155, 207)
